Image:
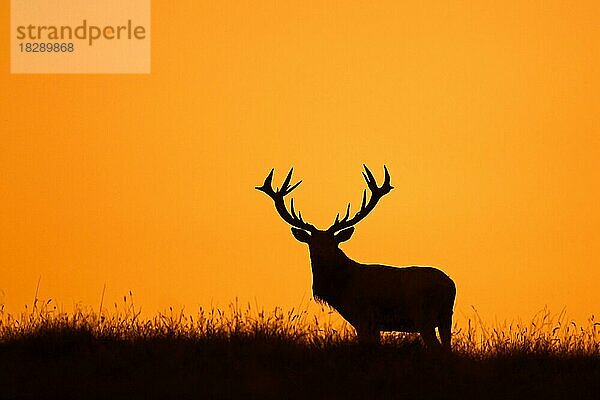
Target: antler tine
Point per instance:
(297, 216)
(294, 186)
(369, 178)
(386, 180)
(267, 186)
(377, 192)
(279, 194)
(386, 175)
(286, 182)
(347, 213)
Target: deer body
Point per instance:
(372, 298)
(382, 298)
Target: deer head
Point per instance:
(341, 229)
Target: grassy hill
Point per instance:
(247, 354)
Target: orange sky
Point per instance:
(487, 117)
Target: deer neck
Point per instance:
(331, 270)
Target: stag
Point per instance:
(371, 297)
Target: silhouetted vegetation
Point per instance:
(245, 353)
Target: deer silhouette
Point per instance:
(372, 298)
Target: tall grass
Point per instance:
(123, 322)
(245, 352)
(312, 326)
(544, 333)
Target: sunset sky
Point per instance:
(487, 115)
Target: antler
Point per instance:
(279, 194)
(377, 192)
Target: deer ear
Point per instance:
(344, 235)
(301, 235)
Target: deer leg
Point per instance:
(429, 337)
(367, 335)
(445, 329)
